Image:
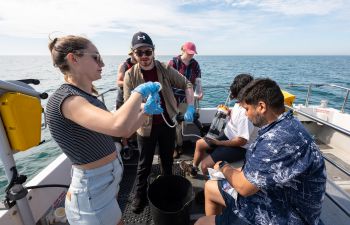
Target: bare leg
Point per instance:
(214, 202)
(206, 220)
(200, 151)
(207, 162)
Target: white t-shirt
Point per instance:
(239, 126)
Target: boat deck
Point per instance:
(337, 157)
(126, 194)
(335, 208)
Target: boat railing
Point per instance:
(309, 89)
(101, 95)
(318, 120)
(310, 86)
(325, 123)
(334, 193)
(314, 118)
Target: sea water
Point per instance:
(217, 75)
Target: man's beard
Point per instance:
(146, 63)
(259, 121)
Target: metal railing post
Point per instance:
(308, 96)
(103, 98)
(103, 93)
(345, 100)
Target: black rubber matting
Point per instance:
(126, 194)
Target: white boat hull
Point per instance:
(42, 200)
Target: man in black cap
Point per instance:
(155, 130)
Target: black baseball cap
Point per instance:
(141, 39)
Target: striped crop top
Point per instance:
(80, 144)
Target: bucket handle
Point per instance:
(149, 179)
(189, 202)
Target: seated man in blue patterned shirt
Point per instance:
(283, 180)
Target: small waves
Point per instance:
(216, 71)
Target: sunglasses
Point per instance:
(140, 53)
(95, 56)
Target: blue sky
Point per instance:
(217, 27)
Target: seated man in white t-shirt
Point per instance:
(230, 146)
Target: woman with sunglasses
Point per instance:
(82, 126)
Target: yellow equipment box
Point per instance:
(288, 98)
(21, 116)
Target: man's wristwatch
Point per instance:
(222, 164)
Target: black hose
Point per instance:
(47, 185)
(13, 179)
(30, 81)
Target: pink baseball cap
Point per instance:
(189, 48)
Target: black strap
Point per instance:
(176, 63)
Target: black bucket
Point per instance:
(170, 200)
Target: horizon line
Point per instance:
(198, 55)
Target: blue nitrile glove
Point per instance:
(148, 88)
(189, 113)
(152, 105)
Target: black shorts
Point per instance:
(228, 216)
(220, 138)
(223, 153)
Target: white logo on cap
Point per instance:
(141, 37)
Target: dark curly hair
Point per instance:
(266, 90)
(240, 81)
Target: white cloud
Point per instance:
(41, 17)
(216, 24)
(35, 18)
(297, 7)
(38, 18)
(241, 3)
(291, 7)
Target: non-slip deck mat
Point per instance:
(126, 195)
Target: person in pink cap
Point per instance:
(189, 67)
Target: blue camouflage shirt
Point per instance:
(286, 165)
